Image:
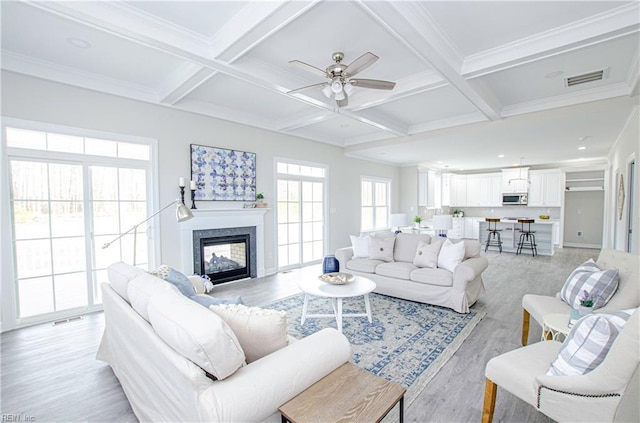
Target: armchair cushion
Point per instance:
(589, 278)
(588, 343)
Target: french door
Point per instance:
(63, 208)
(300, 214)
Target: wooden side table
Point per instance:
(554, 325)
(349, 393)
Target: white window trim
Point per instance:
(8, 312)
(388, 181)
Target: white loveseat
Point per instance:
(400, 278)
(163, 384)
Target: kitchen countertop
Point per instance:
(536, 221)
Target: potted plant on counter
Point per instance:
(417, 220)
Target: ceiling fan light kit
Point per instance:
(341, 84)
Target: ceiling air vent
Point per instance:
(585, 77)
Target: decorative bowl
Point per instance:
(337, 278)
(544, 216)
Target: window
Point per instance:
(300, 194)
(69, 194)
(374, 204)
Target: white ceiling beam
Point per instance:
(593, 30)
(410, 23)
(189, 77)
(304, 119)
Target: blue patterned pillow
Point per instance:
(208, 300)
(590, 279)
(588, 343)
(176, 278)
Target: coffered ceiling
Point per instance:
(474, 80)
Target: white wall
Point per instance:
(35, 99)
(626, 147)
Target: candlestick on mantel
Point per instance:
(193, 197)
(193, 185)
(182, 194)
(181, 182)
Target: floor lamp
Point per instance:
(182, 214)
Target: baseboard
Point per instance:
(577, 245)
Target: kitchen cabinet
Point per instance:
(515, 180)
(426, 188)
(457, 230)
(545, 189)
(484, 190)
(472, 227)
(458, 190)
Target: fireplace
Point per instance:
(225, 254)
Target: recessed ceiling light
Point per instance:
(554, 74)
(80, 43)
(500, 156)
(582, 147)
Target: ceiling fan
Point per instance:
(341, 83)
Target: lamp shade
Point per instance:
(183, 213)
(397, 220)
(442, 221)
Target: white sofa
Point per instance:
(400, 278)
(162, 384)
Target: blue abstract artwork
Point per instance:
(221, 174)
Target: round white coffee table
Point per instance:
(360, 286)
(554, 325)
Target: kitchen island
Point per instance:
(510, 235)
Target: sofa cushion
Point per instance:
(426, 255)
(381, 248)
(360, 245)
(438, 277)
(588, 278)
(142, 288)
(472, 248)
(176, 278)
(588, 343)
(196, 333)
(208, 300)
(397, 269)
(260, 331)
(120, 274)
(451, 255)
(406, 246)
(363, 265)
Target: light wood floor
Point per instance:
(49, 373)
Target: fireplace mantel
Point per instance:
(222, 218)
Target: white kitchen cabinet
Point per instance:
(457, 230)
(484, 190)
(426, 188)
(556, 233)
(545, 189)
(458, 190)
(472, 227)
(515, 180)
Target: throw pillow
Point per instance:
(601, 284)
(176, 278)
(259, 331)
(588, 343)
(451, 255)
(381, 248)
(360, 246)
(427, 254)
(208, 300)
(196, 333)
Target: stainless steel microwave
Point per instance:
(514, 199)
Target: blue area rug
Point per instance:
(407, 342)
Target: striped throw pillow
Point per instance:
(588, 343)
(590, 278)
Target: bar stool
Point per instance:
(493, 238)
(527, 237)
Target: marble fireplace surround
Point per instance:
(218, 219)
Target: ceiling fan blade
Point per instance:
(344, 101)
(297, 90)
(373, 83)
(361, 63)
(309, 68)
